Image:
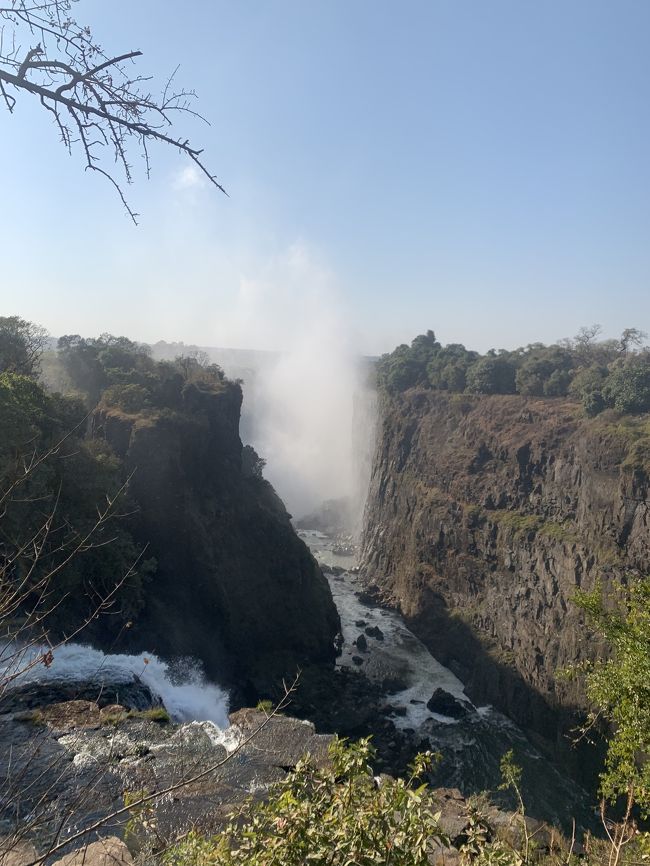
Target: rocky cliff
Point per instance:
(235, 587)
(484, 515)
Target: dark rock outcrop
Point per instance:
(235, 586)
(361, 643)
(447, 705)
(484, 515)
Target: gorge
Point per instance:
(446, 628)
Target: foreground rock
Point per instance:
(65, 766)
(109, 851)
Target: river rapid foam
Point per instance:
(180, 684)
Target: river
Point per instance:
(470, 747)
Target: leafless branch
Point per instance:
(96, 101)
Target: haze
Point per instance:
(480, 169)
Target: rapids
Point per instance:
(181, 685)
(470, 747)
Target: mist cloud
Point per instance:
(301, 399)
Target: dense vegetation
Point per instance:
(601, 374)
(618, 688)
(65, 536)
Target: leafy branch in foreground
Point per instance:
(618, 689)
(97, 100)
(337, 814)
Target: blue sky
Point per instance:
(479, 168)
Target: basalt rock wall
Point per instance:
(484, 516)
(235, 587)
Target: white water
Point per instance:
(401, 655)
(181, 685)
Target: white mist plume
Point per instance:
(299, 402)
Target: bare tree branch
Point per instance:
(95, 100)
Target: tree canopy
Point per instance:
(601, 374)
(21, 346)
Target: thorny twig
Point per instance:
(96, 100)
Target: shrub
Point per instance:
(618, 689)
(336, 815)
(628, 387)
(130, 398)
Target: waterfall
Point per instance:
(180, 684)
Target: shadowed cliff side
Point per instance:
(484, 515)
(235, 586)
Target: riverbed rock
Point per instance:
(69, 715)
(375, 631)
(361, 643)
(132, 694)
(444, 704)
(108, 851)
(16, 852)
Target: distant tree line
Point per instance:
(598, 373)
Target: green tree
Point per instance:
(492, 375)
(53, 485)
(618, 688)
(627, 388)
(544, 371)
(93, 364)
(21, 346)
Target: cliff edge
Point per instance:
(235, 587)
(484, 515)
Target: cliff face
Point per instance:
(484, 515)
(235, 586)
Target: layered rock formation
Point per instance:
(235, 587)
(484, 515)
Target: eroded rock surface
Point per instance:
(65, 768)
(485, 514)
(235, 587)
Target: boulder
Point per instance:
(109, 851)
(361, 643)
(444, 704)
(16, 852)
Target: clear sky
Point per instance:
(479, 168)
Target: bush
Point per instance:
(627, 388)
(130, 398)
(336, 815)
(618, 689)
